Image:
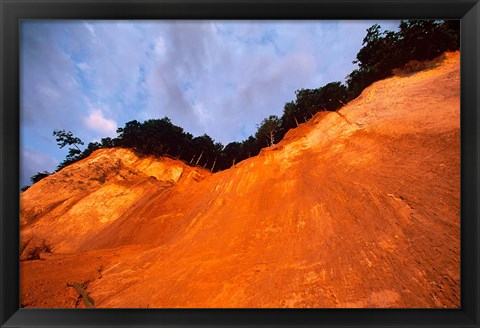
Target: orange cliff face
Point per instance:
(86, 197)
(355, 208)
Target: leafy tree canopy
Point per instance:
(66, 138)
(266, 129)
(39, 176)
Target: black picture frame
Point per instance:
(12, 11)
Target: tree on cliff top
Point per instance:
(266, 129)
(67, 138)
(39, 176)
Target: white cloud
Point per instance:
(47, 91)
(84, 67)
(97, 122)
(203, 115)
(90, 29)
(159, 47)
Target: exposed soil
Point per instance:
(355, 208)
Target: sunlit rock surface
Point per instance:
(355, 208)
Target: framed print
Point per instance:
(239, 163)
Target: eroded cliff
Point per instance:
(355, 208)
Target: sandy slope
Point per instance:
(356, 208)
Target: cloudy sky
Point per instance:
(216, 77)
